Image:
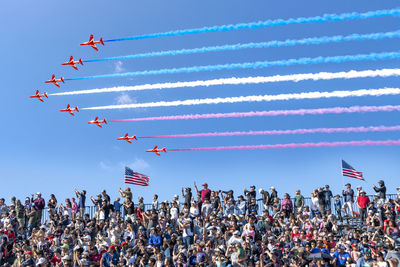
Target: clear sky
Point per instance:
(45, 150)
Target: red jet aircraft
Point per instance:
(55, 81)
(127, 138)
(157, 150)
(39, 96)
(73, 63)
(93, 43)
(69, 110)
(97, 122)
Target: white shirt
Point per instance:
(174, 213)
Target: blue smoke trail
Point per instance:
(269, 23)
(253, 65)
(305, 41)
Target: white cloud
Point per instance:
(118, 67)
(137, 165)
(104, 166)
(124, 99)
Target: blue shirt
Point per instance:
(106, 259)
(82, 200)
(155, 240)
(117, 206)
(341, 259)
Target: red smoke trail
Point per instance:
(361, 129)
(271, 113)
(296, 145)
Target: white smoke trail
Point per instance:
(257, 98)
(247, 80)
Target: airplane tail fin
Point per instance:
(77, 110)
(105, 121)
(80, 61)
(62, 79)
(45, 94)
(101, 41)
(134, 137)
(164, 150)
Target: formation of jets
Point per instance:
(97, 122)
(39, 96)
(71, 110)
(127, 138)
(72, 63)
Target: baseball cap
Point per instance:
(348, 184)
(260, 190)
(65, 246)
(205, 184)
(66, 257)
(272, 187)
(28, 252)
(112, 247)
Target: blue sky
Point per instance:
(45, 150)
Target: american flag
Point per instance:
(136, 178)
(349, 171)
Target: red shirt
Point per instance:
(363, 201)
(205, 193)
(55, 260)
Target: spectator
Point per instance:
(298, 202)
(328, 196)
(154, 204)
(287, 205)
(381, 190)
(273, 196)
(362, 203)
(348, 196)
(82, 201)
(264, 197)
(39, 205)
(187, 196)
(205, 193)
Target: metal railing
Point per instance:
(91, 210)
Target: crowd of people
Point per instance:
(204, 228)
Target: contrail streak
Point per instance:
(247, 80)
(256, 98)
(269, 23)
(234, 47)
(252, 65)
(361, 129)
(271, 113)
(296, 145)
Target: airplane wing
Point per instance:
(74, 67)
(37, 92)
(94, 47)
(155, 147)
(91, 38)
(158, 154)
(98, 124)
(70, 112)
(57, 85)
(71, 58)
(129, 141)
